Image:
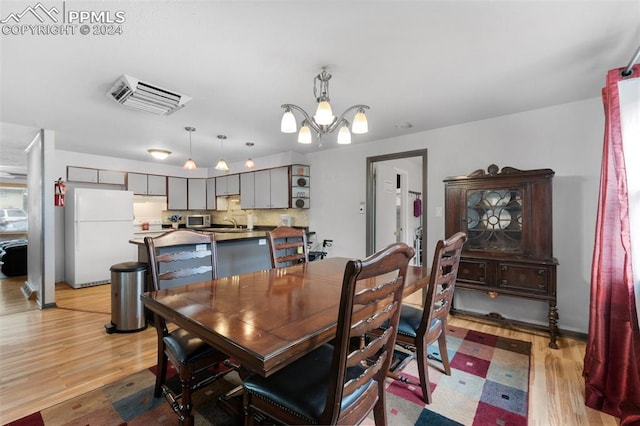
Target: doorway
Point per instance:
(394, 183)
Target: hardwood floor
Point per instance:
(49, 356)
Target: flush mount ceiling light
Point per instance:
(222, 165)
(249, 164)
(323, 121)
(160, 154)
(136, 94)
(190, 164)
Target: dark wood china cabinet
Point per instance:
(507, 217)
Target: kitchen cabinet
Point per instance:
(197, 194)
(156, 185)
(300, 187)
(507, 217)
(228, 185)
(111, 177)
(176, 193)
(265, 189)
(143, 184)
(247, 191)
(82, 174)
(211, 194)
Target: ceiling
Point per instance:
(428, 63)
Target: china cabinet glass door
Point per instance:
(494, 220)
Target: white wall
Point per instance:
(566, 138)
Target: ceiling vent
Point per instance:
(136, 94)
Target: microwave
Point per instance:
(198, 221)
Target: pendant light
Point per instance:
(222, 164)
(249, 164)
(190, 164)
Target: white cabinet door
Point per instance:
(228, 185)
(82, 174)
(233, 184)
(156, 185)
(279, 188)
(112, 177)
(197, 190)
(177, 193)
(137, 183)
(211, 194)
(263, 189)
(247, 191)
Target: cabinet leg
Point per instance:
(553, 324)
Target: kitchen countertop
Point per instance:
(220, 236)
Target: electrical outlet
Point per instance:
(361, 208)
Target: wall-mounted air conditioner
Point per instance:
(136, 94)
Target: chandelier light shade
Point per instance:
(160, 154)
(190, 164)
(222, 164)
(323, 121)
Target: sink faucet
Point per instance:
(232, 220)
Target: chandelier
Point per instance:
(323, 121)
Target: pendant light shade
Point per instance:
(190, 164)
(323, 121)
(222, 164)
(249, 164)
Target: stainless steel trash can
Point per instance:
(127, 310)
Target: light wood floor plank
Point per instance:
(49, 356)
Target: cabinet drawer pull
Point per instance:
(542, 271)
(504, 268)
(482, 266)
(481, 279)
(504, 282)
(541, 286)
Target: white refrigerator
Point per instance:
(98, 227)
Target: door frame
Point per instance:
(370, 197)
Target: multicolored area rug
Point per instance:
(488, 386)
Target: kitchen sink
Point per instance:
(226, 230)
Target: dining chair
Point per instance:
(287, 246)
(177, 258)
(419, 328)
(341, 382)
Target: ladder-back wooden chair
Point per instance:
(341, 383)
(287, 246)
(419, 328)
(177, 258)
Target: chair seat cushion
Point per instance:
(187, 348)
(301, 387)
(409, 323)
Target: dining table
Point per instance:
(269, 318)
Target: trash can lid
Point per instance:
(129, 267)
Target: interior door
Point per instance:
(386, 229)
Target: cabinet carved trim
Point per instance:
(507, 216)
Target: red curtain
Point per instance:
(612, 359)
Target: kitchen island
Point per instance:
(239, 251)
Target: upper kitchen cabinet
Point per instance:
(265, 189)
(143, 184)
(211, 194)
(112, 177)
(228, 185)
(82, 174)
(197, 191)
(176, 193)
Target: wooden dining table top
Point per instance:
(266, 319)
